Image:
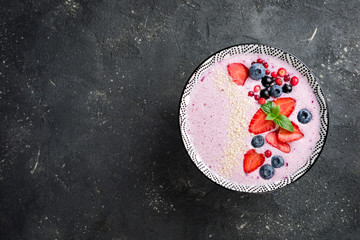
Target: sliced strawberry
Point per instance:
(258, 124)
(287, 105)
(272, 139)
(239, 73)
(253, 160)
(287, 136)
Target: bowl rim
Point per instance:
(327, 124)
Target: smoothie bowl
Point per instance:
(253, 118)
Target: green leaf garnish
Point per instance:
(273, 114)
(270, 117)
(275, 111)
(284, 122)
(267, 107)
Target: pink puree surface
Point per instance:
(208, 119)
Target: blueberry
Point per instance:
(287, 88)
(304, 116)
(275, 91)
(267, 81)
(257, 141)
(257, 71)
(277, 161)
(266, 171)
(264, 93)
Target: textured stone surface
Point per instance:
(90, 145)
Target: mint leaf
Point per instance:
(284, 122)
(275, 111)
(270, 117)
(267, 107)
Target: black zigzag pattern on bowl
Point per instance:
(261, 49)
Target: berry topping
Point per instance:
(267, 71)
(287, 105)
(258, 124)
(252, 160)
(274, 74)
(259, 60)
(238, 72)
(273, 113)
(287, 136)
(277, 161)
(262, 101)
(267, 81)
(278, 81)
(257, 88)
(267, 153)
(266, 65)
(272, 139)
(264, 93)
(304, 116)
(257, 141)
(275, 91)
(256, 97)
(281, 72)
(250, 93)
(266, 171)
(257, 71)
(294, 81)
(287, 88)
(286, 78)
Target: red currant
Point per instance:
(257, 88)
(278, 81)
(266, 65)
(274, 74)
(250, 93)
(259, 60)
(282, 72)
(256, 97)
(267, 153)
(262, 101)
(286, 78)
(267, 71)
(253, 63)
(294, 81)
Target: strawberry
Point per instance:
(272, 139)
(238, 72)
(287, 105)
(258, 124)
(287, 136)
(253, 160)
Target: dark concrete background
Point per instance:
(90, 145)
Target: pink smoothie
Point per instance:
(219, 113)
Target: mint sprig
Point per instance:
(273, 113)
(267, 107)
(284, 122)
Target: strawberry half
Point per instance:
(272, 139)
(238, 72)
(287, 136)
(258, 124)
(253, 160)
(287, 105)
